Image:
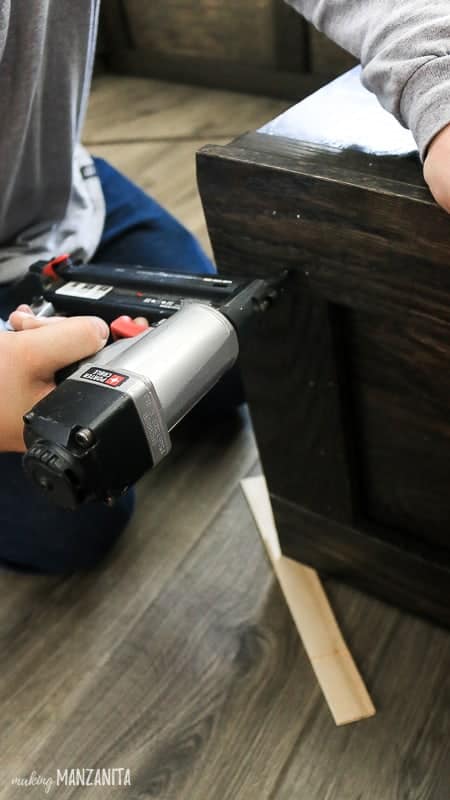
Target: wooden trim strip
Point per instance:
(331, 660)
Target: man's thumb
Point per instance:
(58, 346)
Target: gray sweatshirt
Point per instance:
(50, 199)
(404, 48)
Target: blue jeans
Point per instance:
(35, 536)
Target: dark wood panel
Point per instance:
(361, 238)
(214, 73)
(260, 36)
(388, 174)
(232, 31)
(260, 46)
(409, 574)
(370, 307)
(289, 367)
(401, 384)
(402, 433)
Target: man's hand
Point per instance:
(30, 358)
(436, 169)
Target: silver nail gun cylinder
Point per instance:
(184, 357)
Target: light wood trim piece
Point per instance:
(331, 660)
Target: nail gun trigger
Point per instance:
(126, 328)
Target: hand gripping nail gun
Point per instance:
(109, 419)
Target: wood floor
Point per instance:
(151, 131)
(178, 659)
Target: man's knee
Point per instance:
(38, 537)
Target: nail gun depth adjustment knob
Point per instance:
(56, 472)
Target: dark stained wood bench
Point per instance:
(260, 46)
(349, 381)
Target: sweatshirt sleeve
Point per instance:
(5, 11)
(5, 8)
(404, 49)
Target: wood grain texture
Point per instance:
(366, 243)
(409, 763)
(331, 660)
(306, 196)
(289, 369)
(259, 46)
(123, 109)
(234, 31)
(79, 623)
(383, 561)
(401, 388)
(179, 661)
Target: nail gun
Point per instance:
(109, 418)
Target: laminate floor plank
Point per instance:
(202, 699)
(208, 693)
(403, 753)
(56, 633)
(123, 108)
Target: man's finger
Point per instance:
(436, 168)
(26, 321)
(52, 347)
(141, 321)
